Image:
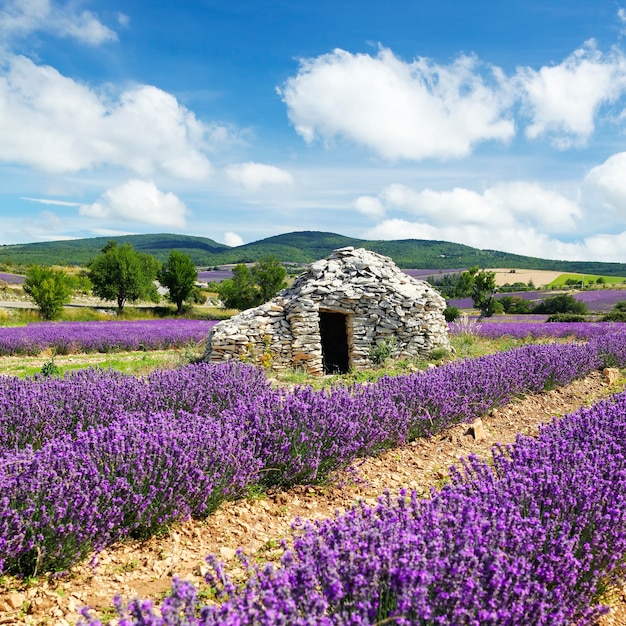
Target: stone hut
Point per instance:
(334, 315)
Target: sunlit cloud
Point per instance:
(138, 201)
(232, 239)
(19, 18)
(398, 109)
(253, 176)
(56, 124)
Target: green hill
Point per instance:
(296, 247)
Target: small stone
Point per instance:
(16, 600)
(478, 430)
(610, 375)
(227, 553)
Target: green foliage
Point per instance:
(269, 276)
(238, 292)
(451, 313)
(249, 288)
(483, 289)
(617, 313)
(515, 304)
(179, 276)
(562, 303)
(517, 286)
(121, 274)
(383, 350)
(565, 317)
(50, 369)
(49, 289)
(480, 285)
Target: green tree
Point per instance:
(250, 287)
(121, 274)
(49, 289)
(481, 286)
(269, 276)
(238, 292)
(179, 276)
(483, 291)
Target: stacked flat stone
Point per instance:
(378, 299)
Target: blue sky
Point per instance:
(501, 125)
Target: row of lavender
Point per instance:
(495, 328)
(531, 540)
(106, 336)
(96, 456)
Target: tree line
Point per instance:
(121, 274)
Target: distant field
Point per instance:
(586, 279)
(12, 279)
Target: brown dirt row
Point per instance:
(145, 569)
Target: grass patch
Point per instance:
(137, 363)
(585, 280)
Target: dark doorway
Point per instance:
(334, 342)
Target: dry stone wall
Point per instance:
(334, 314)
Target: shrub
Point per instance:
(563, 303)
(451, 313)
(614, 316)
(566, 317)
(49, 289)
(515, 304)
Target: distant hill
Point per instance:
(297, 247)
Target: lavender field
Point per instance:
(597, 301)
(71, 483)
(105, 336)
(12, 279)
(533, 533)
(521, 327)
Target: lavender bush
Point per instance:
(528, 541)
(106, 336)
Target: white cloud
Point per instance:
(610, 180)
(563, 99)
(253, 176)
(22, 17)
(232, 239)
(525, 241)
(507, 204)
(138, 201)
(400, 110)
(56, 124)
(49, 201)
(372, 207)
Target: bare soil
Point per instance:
(256, 524)
(540, 278)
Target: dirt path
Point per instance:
(257, 524)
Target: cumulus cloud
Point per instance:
(56, 124)
(253, 176)
(232, 239)
(563, 100)
(370, 206)
(398, 109)
(507, 204)
(526, 241)
(138, 201)
(22, 17)
(609, 179)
